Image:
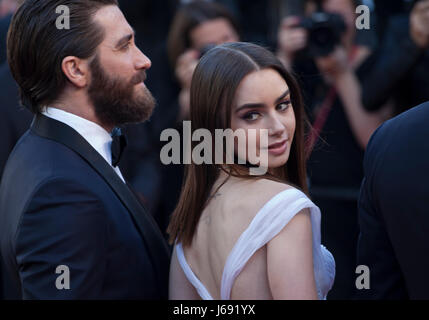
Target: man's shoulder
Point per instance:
(36, 159)
(403, 125)
(53, 175)
(400, 138)
(414, 116)
(44, 149)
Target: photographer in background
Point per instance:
(322, 50)
(399, 76)
(196, 28)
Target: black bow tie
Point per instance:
(119, 143)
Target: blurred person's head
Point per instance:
(242, 86)
(8, 7)
(345, 8)
(92, 68)
(199, 24)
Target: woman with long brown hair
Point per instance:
(237, 235)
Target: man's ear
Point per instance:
(76, 70)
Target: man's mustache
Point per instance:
(139, 77)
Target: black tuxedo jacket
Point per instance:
(394, 209)
(61, 203)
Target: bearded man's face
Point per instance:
(118, 100)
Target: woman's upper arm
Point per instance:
(179, 286)
(290, 260)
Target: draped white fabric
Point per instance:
(267, 223)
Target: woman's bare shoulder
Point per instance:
(266, 188)
(253, 195)
(272, 184)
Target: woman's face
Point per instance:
(263, 101)
(216, 31)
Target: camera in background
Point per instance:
(324, 32)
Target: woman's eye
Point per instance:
(283, 106)
(251, 116)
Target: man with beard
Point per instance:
(70, 228)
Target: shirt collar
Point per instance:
(94, 134)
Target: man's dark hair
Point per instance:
(36, 47)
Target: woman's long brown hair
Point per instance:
(213, 88)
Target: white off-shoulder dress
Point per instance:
(266, 224)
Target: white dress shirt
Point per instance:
(96, 136)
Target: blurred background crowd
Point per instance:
(352, 80)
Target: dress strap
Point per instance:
(201, 289)
(267, 223)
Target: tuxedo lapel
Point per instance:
(146, 225)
